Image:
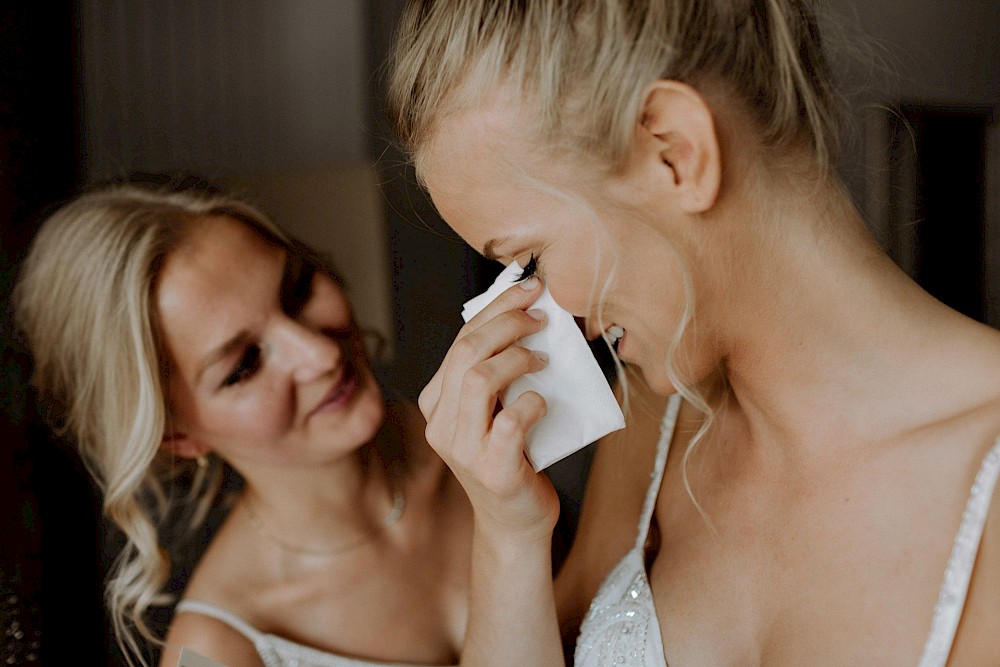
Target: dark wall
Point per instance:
(433, 269)
(50, 605)
(50, 565)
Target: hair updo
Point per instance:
(585, 63)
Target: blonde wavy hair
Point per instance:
(582, 67)
(84, 303)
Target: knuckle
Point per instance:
(516, 319)
(476, 380)
(426, 402)
(537, 402)
(432, 433)
(464, 349)
(524, 356)
(508, 423)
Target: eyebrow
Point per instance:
(489, 250)
(222, 352)
(241, 338)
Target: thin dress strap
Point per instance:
(227, 617)
(259, 639)
(951, 600)
(656, 476)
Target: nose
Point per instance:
(306, 352)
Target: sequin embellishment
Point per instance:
(616, 632)
(621, 627)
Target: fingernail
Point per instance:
(529, 283)
(541, 355)
(537, 314)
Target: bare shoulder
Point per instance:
(209, 637)
(612, 504)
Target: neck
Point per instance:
(823, 341)
(317, 506)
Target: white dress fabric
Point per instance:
(276, 651)
(621, 626)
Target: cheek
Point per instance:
(264, 410)
(581, 285)
(258, 413)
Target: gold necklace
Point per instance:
(395, 512)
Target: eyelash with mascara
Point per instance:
(529, 270)
(246, 367)
(296, 289)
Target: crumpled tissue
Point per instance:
(580, 404)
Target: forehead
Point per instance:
(221, 271)
(214, 249)
(482, 164)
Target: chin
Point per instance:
(657, 380)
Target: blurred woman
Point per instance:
(178, 334)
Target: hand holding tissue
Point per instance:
(580, 405)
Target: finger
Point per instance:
(516, 297)
(430, 395)
(494, 336)
(477, 396)
(515, 420)
(488, 339)
(511, 425)
(519, 296)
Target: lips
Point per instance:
(342, 391)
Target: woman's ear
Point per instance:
(184, 446)
(683, 131)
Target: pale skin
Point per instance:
(859, 408)
(294, 407)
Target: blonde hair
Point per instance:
(84, 303)
(584, 66)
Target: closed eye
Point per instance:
(529, 270)
(246, 367)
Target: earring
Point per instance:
(202, 461)
(377, 345)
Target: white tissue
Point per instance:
(581, 405)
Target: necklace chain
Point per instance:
(395, 512)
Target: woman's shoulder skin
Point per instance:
(223, 577)
(854, 543)
(209, 637)
(276, 593)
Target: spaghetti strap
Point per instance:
(276, 651)
(951, 600)
(227, 617)
(656, 475)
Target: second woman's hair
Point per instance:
(85, 304)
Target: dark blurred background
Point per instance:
(281, 99)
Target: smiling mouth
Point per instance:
(614, 335)
(341, 394)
